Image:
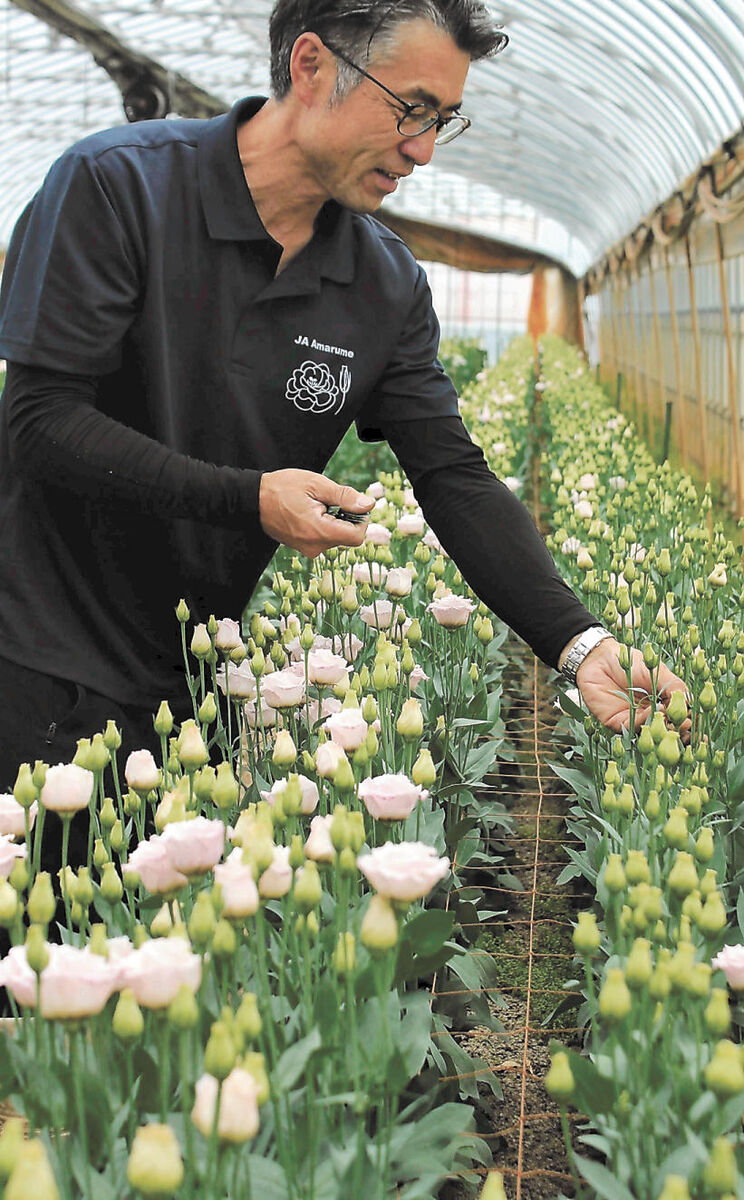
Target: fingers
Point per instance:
(293, 509)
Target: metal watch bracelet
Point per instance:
(585, 643)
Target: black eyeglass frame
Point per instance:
(437, 120)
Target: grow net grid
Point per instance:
(532, 942)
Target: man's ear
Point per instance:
(312, 68)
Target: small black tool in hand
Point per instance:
(341, 514)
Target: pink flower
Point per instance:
(347, 729)
(282, 689)
(319, 846)
(326, 668)
(9, 852)
(12, 818)
(418, 675)
(269, 715)
(431, 540)
(151, 861)
(376, 490)
(451, 611)
(307, 787)
(67, 788)
(74, 983)
(377, 616)
(327, 758)
(406, 871)
(297, 654)
(239, 891)
(730, 960)
(411, 524)
(349, 645)
(277, 878)
(228, 635)
(194, 846)
(372, 573)
(141, 771)
(377, 534)
(238, 1119)
(329, 706)
(584, 510)
(409, 498)
(390, 797)
(512, 483)
(399, 582)
(587, 482)
(156, 971)
(239, 678)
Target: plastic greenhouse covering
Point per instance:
(594, 114)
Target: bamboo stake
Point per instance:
(681, 422)
(698, 361)
(632, 345)
(732, 388)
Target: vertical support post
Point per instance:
(681, 423)
(642, 357)
(657, 340)
(697, 361)
(632, 343)
(624, 358)
(732, 387)
(607, 291)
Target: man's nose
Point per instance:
(421, 148)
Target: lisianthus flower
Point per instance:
(326, 668)
(373, 573)
(348, 728)
(411, 524)
(406, 871)
(319, 846)
(239, 678)
(451, 611)
(269, 715)
(239, 891)
(399, 582)
(283, 689)
(75, 983)
(9, 852)
(277, 878)
(327, 758)
(377, 534)
(375, 490)
(194, 846)
(157, 970)
(309, 791)
(141, 771)
(730, 960)
(349, 645)
(390, 797)
(228, 636)
(67, 788)
(152, 862)
(238, 1119)
(379, 615)
(12, 816)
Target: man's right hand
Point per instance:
(293, 510)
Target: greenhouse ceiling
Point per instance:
(594, 114)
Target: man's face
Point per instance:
(354, 151)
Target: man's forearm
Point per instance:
(59, 437)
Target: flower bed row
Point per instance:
(239, 1002)
(662, 1079)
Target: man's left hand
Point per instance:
(603, 684)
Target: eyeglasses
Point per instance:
(417, 118)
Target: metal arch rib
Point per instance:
(125, 66)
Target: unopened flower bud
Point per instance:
(155, 1165)
(219, 1055)
(32, 1175)
(586, 935)
(379, 932)
(559, 1082)
(127, 1022)
(614, 996)
(344, 956)
(41, 903)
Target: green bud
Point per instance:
(12, 1142)
(586, 935)
(202, 921)
(155, 1165)
(32, 1176)
(248, 1018)
(614, 996)
(111, 886)
(37, 952)
(41, 903)
(219, 1055)
(225, 939)
(127, 1022)
(344, 956)
(559, 1082)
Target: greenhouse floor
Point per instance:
(531, 944)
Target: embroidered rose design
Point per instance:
(313, 388)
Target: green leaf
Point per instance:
(267, 1178)
(294, 1060)
(605, 1184)
(429, 930)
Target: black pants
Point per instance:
(42, 718)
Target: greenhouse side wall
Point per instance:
(668, 327)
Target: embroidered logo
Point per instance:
(313, 387)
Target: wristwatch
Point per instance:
(584, 643)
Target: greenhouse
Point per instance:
(371, 594)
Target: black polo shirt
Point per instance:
(157, 365)
(142, 270)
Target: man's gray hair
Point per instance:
(359, 29)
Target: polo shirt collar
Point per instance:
(228, 205)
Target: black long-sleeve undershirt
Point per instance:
(56, 432)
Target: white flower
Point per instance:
(406, 871)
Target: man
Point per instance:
(193, 313)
